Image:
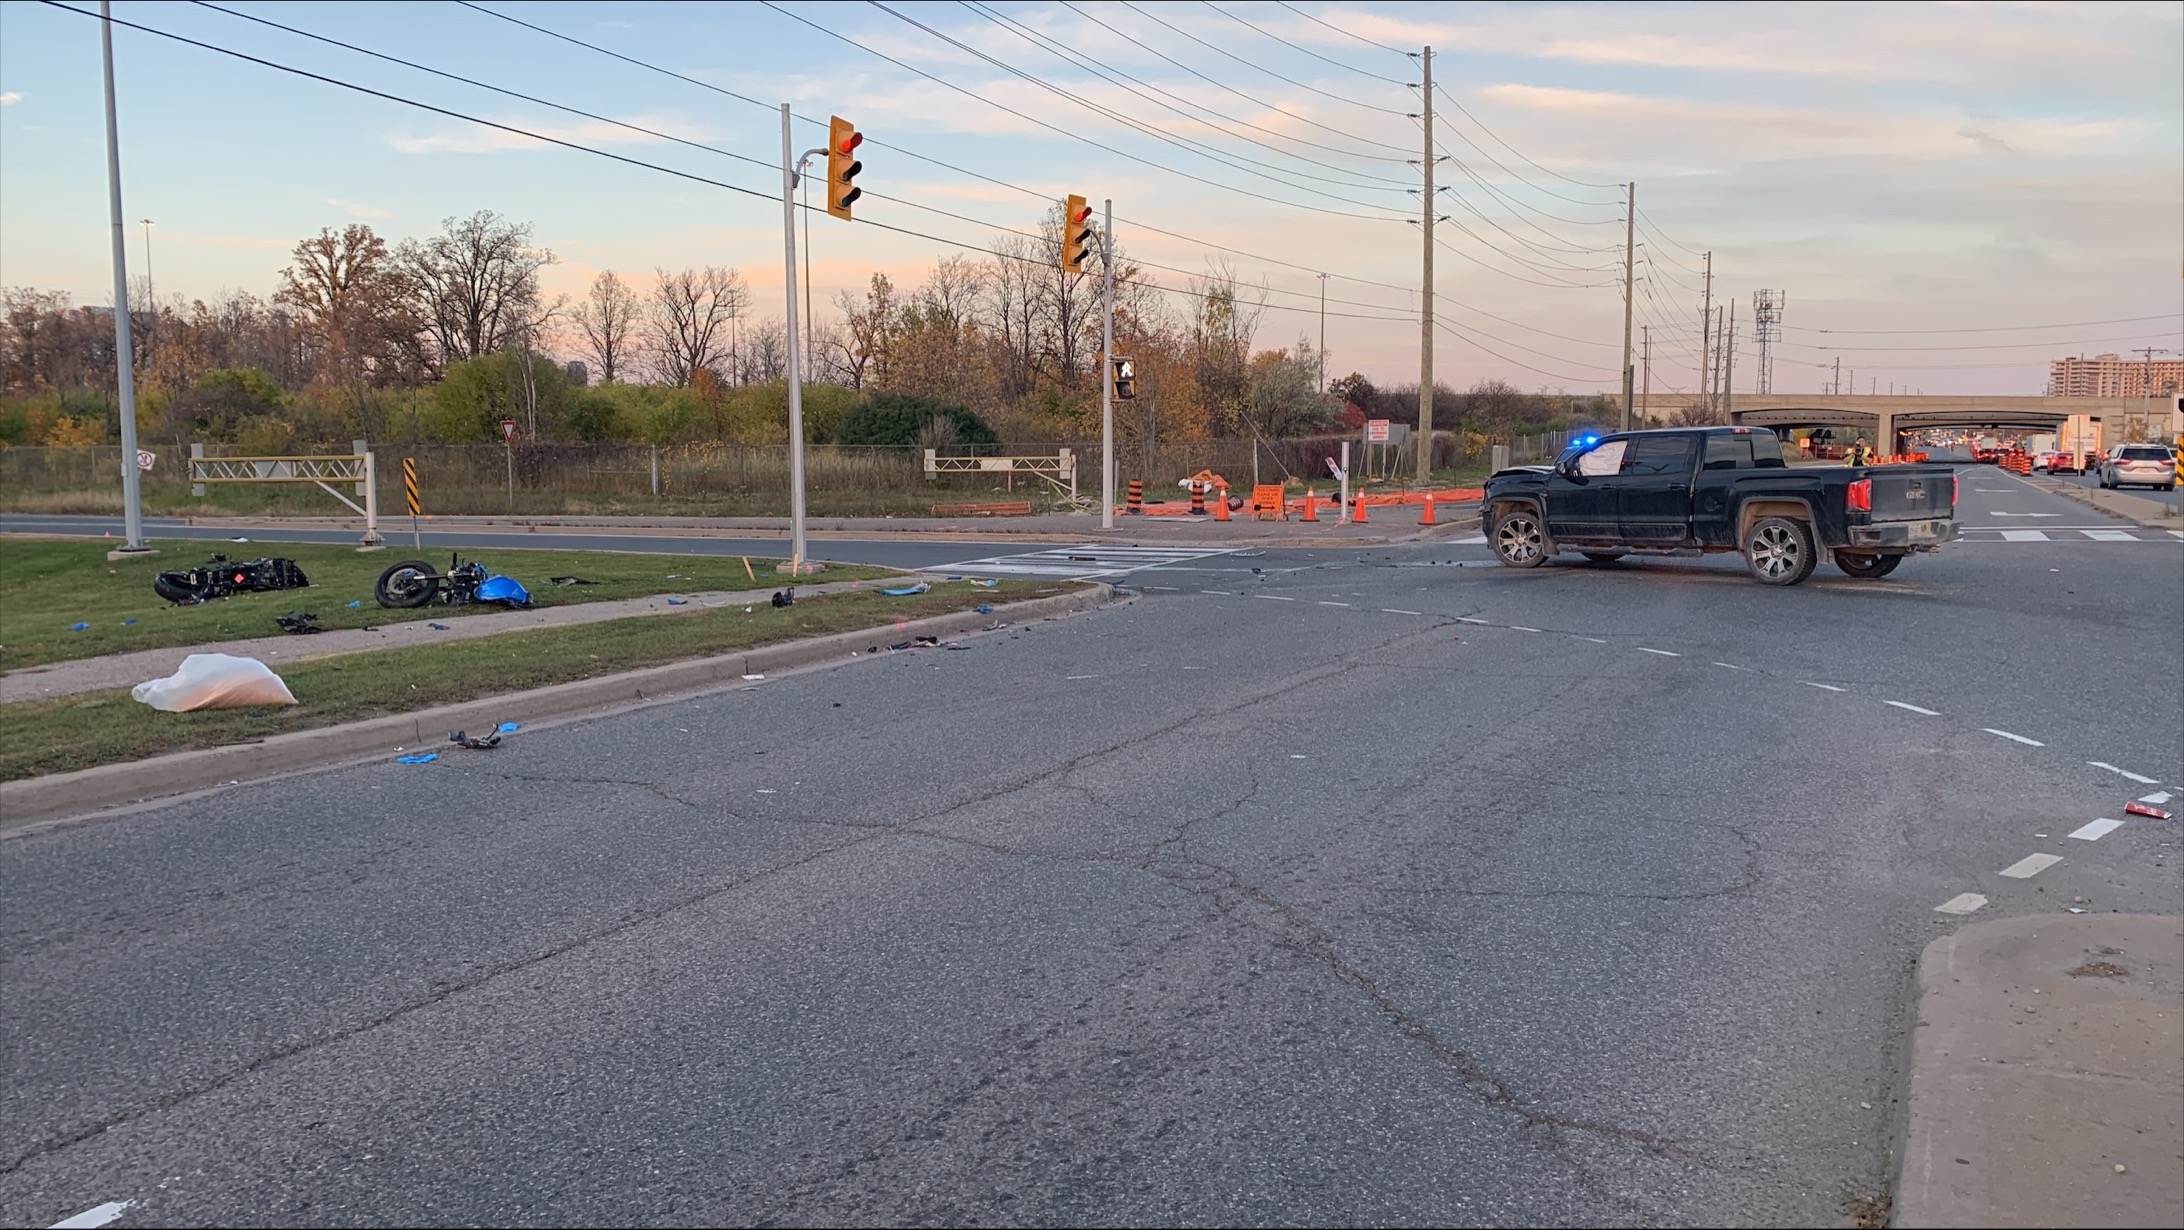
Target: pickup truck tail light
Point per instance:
(1861, 496)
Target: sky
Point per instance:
(1945, 195)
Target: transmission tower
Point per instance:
(1767, 308)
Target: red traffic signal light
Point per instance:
(1076, 233)
(842, 167)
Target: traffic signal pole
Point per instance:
(797, 552)
(1107, 368)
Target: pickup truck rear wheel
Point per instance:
(1866, 565)
(1519, 540)
(1779, 551)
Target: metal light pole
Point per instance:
(132, 504)
(796, 371)
(1107, 362)
(151, 290)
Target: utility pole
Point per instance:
(1645, 401)
(1836, 386)
(1630, 232)
(795, 354)
(1425, 298)
(1729, 364)
(132, 504)
(1107, 364)
(1323, 334)
(1706, 335)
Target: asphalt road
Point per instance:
(1309, 887)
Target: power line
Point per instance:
(2067, 324)
(1646, 220)
(1260, 67)
(1221, 85)
(1306, 50)
(1338, 213)
(1339, 30)
(1466, 112)
(1460, 336)
(2037, 345)
(1117, 77)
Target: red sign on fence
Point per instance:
(1376, 431)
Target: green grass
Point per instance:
(94, 728)
(47, 586)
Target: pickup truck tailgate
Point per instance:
(1912, 493)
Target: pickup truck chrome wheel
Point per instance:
(1779, 551)
(1518, 540)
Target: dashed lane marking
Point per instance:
(1825, 687)
(1521, 628)
(2030, 866)
(1913, 708)
(1962, 903)
(2157, 798)
(1225, 593)
(91, 1219)
(2126, 773)
(1662, 652)
(1466, 619)
(1729, 666)
(1324, 602)
(2013, 738)
(1086, 561)
(1594, 639)
(2097, 829)
(1274, 597)
(1389, 610)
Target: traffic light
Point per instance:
(1076, 233)
(1125, 379)
(842, 167)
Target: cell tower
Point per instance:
(1767, 308)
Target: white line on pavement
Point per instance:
(2030, 866)
(1825, 687)
(1663, 652)
(2097, 829)
(1729, 666)
(2013, 738)
(1913, 708)
(1962, 903)
(1274, 598)
(1323, 602)
(1389, 610)
(1466, 619)
(91, 1219)
(2024, 536)
(1594, 639)
(1473, 541)
(2108, 535)
(1170, 588)
(2143, 781)
(1521, 628)
(1225, 593)
(2157, 798)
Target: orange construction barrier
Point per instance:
(1137, 495)
(1425, 517)
(1198, 499)
(1267, 503)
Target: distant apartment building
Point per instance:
(2108, 375)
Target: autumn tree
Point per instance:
(693, 313)
(356, 302)
(478, 285)
(608, 322)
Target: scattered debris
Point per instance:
(986, 583)
(925, 640)
(482, 743)
(508, 728)
(784, 597)
(356, 604)
(983, 610)
(2146, 809)
(437, 627)
(754, 678)
(898, 646)
(298, 623)
(418, 758)
(904, 591)
(571, 581)
(126, 622)
(2098, 969)
(678, 602)
(79, 627)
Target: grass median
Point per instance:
(94, 728)
(48, 586)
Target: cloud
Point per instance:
(11, 98)
(356, 210)
(480, 139)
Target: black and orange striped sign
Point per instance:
(409, 484)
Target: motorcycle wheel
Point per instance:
(408, 584)
(183, 588)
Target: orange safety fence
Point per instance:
(1329, 501)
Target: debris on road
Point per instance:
(482, 743)
(298, 623)
(571, 581)
(905, 591)
(2146, 809)
(418, 758)
(784, 597)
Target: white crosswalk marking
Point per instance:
(2109, 535)
(2024, 536)
(1088, 562)
(2067, 533)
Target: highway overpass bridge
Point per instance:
(1883, 418)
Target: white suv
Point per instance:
(2140, 465)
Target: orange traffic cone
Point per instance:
(1311, 506)
(1359, 508)
(1220, 504)
(1425, 517)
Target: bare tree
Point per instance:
(608, 320)
(478, 280)
(859, 348)
(1012, 313)
(766, 350)
(1228, 318)
(692, 312)
(1692, 414)
(357, 302)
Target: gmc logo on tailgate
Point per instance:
(1915, 491)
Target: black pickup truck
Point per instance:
(1715, 489)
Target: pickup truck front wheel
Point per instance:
(1779, 551)
(1866, 565)
(1519, 541)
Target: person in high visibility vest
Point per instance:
(1860, 454)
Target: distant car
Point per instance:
(2140, 465)
(2044, 461)
(2062, 463)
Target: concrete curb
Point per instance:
(2117, 504)
(2046, 1089)
(40, 801)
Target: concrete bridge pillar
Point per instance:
(1884, 433)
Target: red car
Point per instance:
(2064, 463)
